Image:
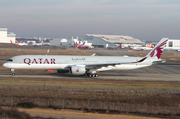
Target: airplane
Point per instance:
(21, 44)
(17, 43)
(114, 46)
(38, 44)
(86, 65)
(82, 46)
(150, 47)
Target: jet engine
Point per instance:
(78, 70)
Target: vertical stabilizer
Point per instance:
(157, 51)
(17, 42)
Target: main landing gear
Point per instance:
(92, 75)
(13, 73)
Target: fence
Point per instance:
(90, 105)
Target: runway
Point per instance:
(3, 60)
(163, 72)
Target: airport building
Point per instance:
(173, 43)
(100, 40)
(60, 42)
(7, 37)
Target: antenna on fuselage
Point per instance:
(93, 54)
(47, 51)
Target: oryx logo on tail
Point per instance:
(158, 50)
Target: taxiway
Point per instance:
(163, 72)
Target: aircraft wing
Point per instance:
(100, 65)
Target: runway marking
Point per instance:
(155, 70)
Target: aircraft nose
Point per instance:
(5, 65)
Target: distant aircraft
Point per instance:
(22, 44)
(114, 46)
(16, 42)
(82, 46)
(38, 44)
(150, 47)
(86, 65)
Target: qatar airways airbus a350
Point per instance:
(86, 65)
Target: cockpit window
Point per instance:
(9, 60)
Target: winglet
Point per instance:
(93, 54)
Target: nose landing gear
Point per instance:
(13, 73)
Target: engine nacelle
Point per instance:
(78, 70)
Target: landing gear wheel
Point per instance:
(88, 74)
(13, 73)
(92, 75)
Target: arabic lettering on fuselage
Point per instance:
(39, 61)
(78, 59)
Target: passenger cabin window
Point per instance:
(9, 60)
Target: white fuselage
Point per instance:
(63, 62)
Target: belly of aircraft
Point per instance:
(35, 66)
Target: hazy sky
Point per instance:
(143, 19)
